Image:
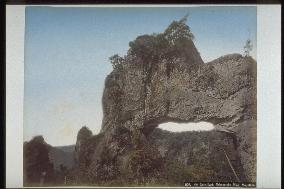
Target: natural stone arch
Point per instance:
(137, 98)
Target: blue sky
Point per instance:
(67, 51)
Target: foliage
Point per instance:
(170, 45)
(36, 161)
(116, 61)
(178, 31)
(101, 170)
(145, 164)
(197, 156)
(248, 47)
(148, 46)
(84, 154)
(177, 173)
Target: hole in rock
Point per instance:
(182, 127)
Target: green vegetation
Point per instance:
(248, 48)
(37, 165)
(174, 43)
(145, 165)
(197, 156)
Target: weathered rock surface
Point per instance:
(207, 151)
(144, 92)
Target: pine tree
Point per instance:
(248, 48)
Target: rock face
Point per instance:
(173, 84)
(205, 151)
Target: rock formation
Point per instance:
(163, 79)
(204, 154)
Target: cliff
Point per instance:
(163, 79)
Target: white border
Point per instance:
(268, 94)
(15, 25)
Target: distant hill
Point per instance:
(62, 155)
(69, 148)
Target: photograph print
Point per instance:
(139, 96)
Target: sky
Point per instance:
(67, 51)
(181, 127)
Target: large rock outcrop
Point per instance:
(160, 80)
